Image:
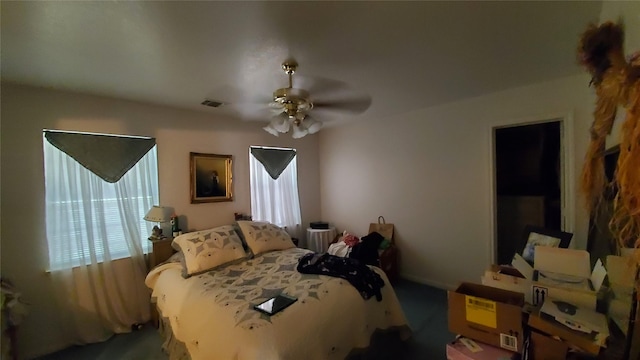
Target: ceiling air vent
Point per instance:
(212, 103)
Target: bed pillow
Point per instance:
(236, 227)
(264, 236)
(207, 249)
(175, 245)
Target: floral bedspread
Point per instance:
(212, 313)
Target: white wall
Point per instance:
(629, 12)
(428, 172)
(27, 111)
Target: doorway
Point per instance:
(529, 189)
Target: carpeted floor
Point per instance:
(425, 307)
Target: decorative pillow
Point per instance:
(175, 245)
(264, 236)
(236, 227)
(207, 249)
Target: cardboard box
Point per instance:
(621, 272)
(577, 318)
(562, 274)
(490, 315)
(577, 339)
(544, 347)
(467, 349)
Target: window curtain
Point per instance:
(97, 241)
(276, 200)
(108, 156)
(273, 160)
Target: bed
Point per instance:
(207, 312)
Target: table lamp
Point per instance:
(158, 214)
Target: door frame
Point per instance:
(567, 169)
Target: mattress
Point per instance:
(212, 313)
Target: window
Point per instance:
(274, 200)
(90, 220)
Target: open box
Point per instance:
(547, 347)
(489, 315)
(584, 342)
(563, 274)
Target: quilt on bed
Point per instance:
(212, 313)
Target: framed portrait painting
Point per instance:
(210, 178)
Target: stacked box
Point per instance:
(489, 315)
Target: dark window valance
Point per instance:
(108, 156)
(273, 160)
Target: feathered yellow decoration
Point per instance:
(617, 83)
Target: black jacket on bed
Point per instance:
(367, 249)
(365, 280)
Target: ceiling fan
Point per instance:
(293, 106)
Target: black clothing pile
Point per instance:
(365, 280)
(367, 249)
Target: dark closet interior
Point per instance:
(527, 183)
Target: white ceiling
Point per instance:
(405, 55)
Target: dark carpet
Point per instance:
(424, 306)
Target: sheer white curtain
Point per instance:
(97, 241)
(276, 201)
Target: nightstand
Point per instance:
(160, 252)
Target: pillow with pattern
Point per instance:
(175, 245)
(236, 227)
(264, 236)
(207, 249)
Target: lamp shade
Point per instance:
(313, 126)
(158, 214)
(271, 130)
(280, 123)
(299, 131)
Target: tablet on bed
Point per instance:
(275, 304)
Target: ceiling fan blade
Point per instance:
(246, 105)
(319, 87)
(348, 105)
(334, 95)
(252, 112)
(233, 95)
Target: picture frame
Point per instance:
(210, 178)
(539, 236)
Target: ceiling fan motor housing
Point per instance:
(293, 100)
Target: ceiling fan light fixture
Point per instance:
(299, 131)
(280, 124)
(313, 126)
(271, 130)
(292, 99)
(293, 106)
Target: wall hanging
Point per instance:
(210, 178)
